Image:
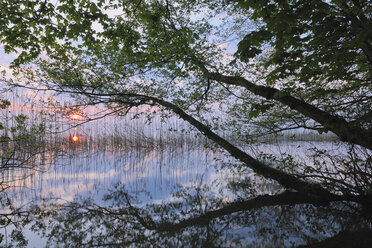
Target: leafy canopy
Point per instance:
(248, 68)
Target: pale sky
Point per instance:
(5, 59)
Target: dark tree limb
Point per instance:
(286, 198)
(286, 180)
(346, 131)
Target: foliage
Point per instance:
(313, 41)
(287, 65)
(20, 144)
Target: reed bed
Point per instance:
(46, 127)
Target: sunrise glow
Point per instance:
(75, 138)
(76, 116)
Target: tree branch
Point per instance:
(286, 198)
(344, 130)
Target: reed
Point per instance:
(54, 129)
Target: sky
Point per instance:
(5, 59)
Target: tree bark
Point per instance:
(346, 131)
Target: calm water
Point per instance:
(150, 174)
(94, 171)
(108, 183)
(86, 172)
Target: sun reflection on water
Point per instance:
(75, 138)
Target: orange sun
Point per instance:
(76, 116)
(75, 138)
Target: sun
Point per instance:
(76, 116)
(75, 138)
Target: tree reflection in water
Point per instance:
(239, 210)
(197, 216)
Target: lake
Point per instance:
(126, 184)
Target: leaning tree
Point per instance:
(262, 67)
